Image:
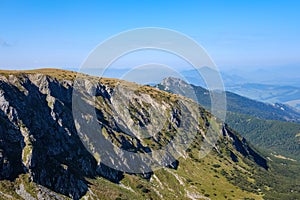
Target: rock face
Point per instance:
(242, 146)
(40, 137)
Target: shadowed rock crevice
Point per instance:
(242, 146)
(58, 160)
(11, 145)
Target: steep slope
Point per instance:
(42, 154)
(256, 121)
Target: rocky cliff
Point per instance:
(46, 152)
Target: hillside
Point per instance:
(42, 155)
(235, 103)
(270, 127)
(277, 137)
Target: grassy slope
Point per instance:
(202, 178)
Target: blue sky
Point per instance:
(236, 34)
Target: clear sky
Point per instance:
(236, 34)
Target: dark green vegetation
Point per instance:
(277, 137)
(283, 177)
(281, 181)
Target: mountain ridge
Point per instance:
(42, 155)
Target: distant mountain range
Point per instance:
(279, 85)
(288, 95)
(235, 103)
(280, 75)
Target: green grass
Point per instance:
(193, 178)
